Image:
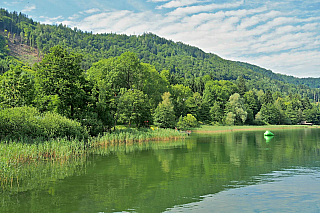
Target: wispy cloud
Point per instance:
(51, 20)
(298, 63)
(93, 10)
(29, 8)
(263, 34)
(182, 11)
(157, 1)
(11, 3)
(178, 3)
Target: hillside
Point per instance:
(183, 61)
(310, 82)
(22, 52)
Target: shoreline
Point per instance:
(222, 129)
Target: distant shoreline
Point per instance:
(221, 129)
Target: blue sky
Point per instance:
(283, 36)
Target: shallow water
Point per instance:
(229, 172)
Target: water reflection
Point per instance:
(292, 190)
(268, 138)
(155, 177)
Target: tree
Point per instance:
(180, 94)
(311, 115)
(3, 47)
(187, 122)
(128, 71)
(218, 91)
(305, 102)
(134, 107)
(111, 76)
(230, 118)
(241, 84)
(59, 83)
(267, 98)
(270, 114)
(216, 113)
(194, 105)
(154, 85)
(16, 87)
(164, 115)
(251, 99)
(236, 106)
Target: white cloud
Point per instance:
(28, 8)
(49, 20)
(182, 11)
(11, 3)
(178, 3)
(267, 37)
(299, 64)
(93, 10)
(74, 17)
(157, 1)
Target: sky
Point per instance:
(283, 36)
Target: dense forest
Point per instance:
(102, 80)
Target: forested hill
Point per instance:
(310, 82)
(183, 61)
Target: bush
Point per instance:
(186, 122)
(93, 124)
(21, 122)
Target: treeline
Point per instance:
(309, 82)
(183, 61)
(123, 90)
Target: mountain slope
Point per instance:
(183, 61)
(310, 82)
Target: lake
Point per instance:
(224, 172)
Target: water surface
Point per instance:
(230, 172)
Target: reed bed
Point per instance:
(130, 136)
(16, 155)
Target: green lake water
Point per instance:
(228, 172)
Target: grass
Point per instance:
(135, 135)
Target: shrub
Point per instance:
(20, 122)
(186, 122)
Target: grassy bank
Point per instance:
(220, 129)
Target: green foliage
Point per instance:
(252, 101)
(186, 64)
(134, 108)
(187, 122)
(216, 113)
(164, 115)
(93, 123)
(107, 79)
(180, 95)
(193, 105)
(154, 84)
(270, 114)
(3, 47)
(90, 88)
(311, 115)
(236, 106)
(59, 83)
(230, 119)
(267, 98)
(218, 91)
(241, 84)
(16, 87)
(28, 122)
